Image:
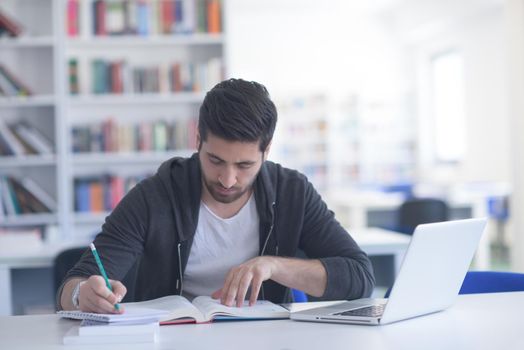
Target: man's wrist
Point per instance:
(75, 295)
(65, 294)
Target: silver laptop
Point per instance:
(429, 279)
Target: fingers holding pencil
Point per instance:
(96, 297)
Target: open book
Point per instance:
(205, 309)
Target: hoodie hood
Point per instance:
(182, 179)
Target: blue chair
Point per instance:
(477, 282)
(492, 282)
(298, 296)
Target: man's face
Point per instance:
(229, 168)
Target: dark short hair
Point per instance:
(238, 110)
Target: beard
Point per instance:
(223, 195)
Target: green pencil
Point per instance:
(102, 270)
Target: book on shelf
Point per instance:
(9, 26)
(6, 198)
(24, 197)
(156, 136)
(22, 138)
(45, 198)
(118, 77)
(97, 194)
(141, 17)
(10, 85)
(177, 309)
(33, 138)
(74, 88)
(72, 15)
(10, 144)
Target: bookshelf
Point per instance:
(373, 142)
(356, 141)
(156, 67)
(302, 137)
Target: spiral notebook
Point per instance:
(131, 314)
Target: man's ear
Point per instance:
(198, 140)
(266, 152)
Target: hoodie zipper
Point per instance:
(179, 281)
(267, 240)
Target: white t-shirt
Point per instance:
(220, 244)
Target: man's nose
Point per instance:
(228, 178)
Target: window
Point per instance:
(449, 119)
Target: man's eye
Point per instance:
(214, 160)
(245, 166)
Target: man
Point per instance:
(224, 222)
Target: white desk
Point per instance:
(476, 322)
(373, 241)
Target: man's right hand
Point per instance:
(94, 295)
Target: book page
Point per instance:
(212, 308)
(177, 307)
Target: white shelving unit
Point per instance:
(32, 58)
(40, 58)
(301, 138)
(373, 143)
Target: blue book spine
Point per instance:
(83, 204)
(143, 18)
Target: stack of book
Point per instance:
(8, 26)
(14, 240)
(23, 196)
(10, 85)
(97, 332)
(22, 138)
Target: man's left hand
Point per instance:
(240, 278)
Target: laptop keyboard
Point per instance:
(368, 311)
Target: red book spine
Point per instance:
(117, 190)
(101, 18)
(117, 84)
(167, 16)
(72, 17)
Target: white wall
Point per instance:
(340, 47)
(301, 46)
(481, 38)
(515, 40)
